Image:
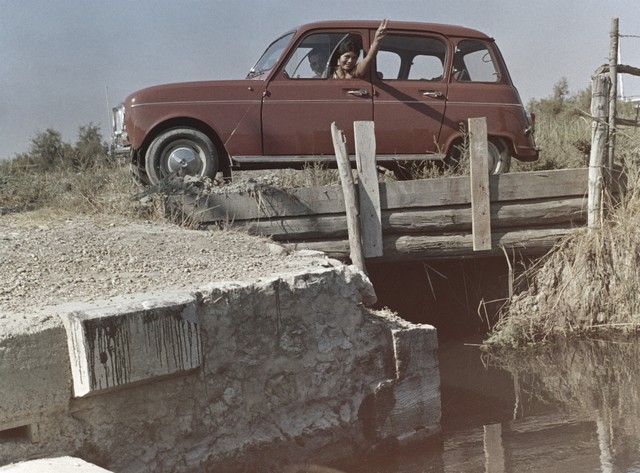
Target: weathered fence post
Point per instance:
(599, 97)
(352, 208)
(369, 188)
(613, 99)
(480, 202)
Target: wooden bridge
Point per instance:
(421, 219)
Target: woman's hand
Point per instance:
(382, 30)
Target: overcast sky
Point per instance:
(61, 59)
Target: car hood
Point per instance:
(193, 92)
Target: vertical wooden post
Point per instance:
(352, 208)
(480, 202)
(599, 97)
(368, 188)
(613, 98)
(494, 458)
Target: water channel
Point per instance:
(565, 407)
(570, 407)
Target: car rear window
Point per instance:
(411, 57)
(473, 62)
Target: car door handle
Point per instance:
(358, 92)
(432, 93)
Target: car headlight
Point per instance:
(119, 138)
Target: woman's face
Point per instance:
(347, 61)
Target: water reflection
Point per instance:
(569, 407)
(594, 382)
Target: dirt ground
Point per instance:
(48, 260)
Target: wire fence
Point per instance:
(632, 80)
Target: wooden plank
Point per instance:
(368, 188)
(265, 201)
(511, 186)
(480, 211)
(425, 220)
(503, 215)
(350, 200)
(416, 247)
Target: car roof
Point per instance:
(448, 30)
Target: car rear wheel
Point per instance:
(498, 151)
(499, 156)
(181, 151)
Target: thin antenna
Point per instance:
(109, 116)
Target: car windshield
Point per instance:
(270, 56)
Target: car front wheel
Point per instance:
(181, 151)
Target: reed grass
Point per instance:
(591, 280)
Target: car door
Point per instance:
(410, 93)
(299, 104)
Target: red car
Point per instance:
(426, 81)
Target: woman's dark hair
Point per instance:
(348, 46)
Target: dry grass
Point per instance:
(589, 281)
(103, 189)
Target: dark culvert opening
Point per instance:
(447, 294)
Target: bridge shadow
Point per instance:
(447, 294)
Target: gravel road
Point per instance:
(49, 260)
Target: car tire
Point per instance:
(138, 175)
(499, 156)
(181, 151)
(498, 151)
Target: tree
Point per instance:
(48, 151)
(561, 102)
(89, 149)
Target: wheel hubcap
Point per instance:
(184, 160)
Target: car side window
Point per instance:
(312, 59)
(407, 57)
(473, 62)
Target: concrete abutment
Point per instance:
(266, 372)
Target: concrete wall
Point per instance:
(253, 374)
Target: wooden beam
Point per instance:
(424, 247)
(627, 122)
(621, 68)
(350, 199)
(613, 96)
(480, 210)
(599, 97)
(424, 220)
(268, 202)
(368, 188)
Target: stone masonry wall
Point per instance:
(238, 375)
